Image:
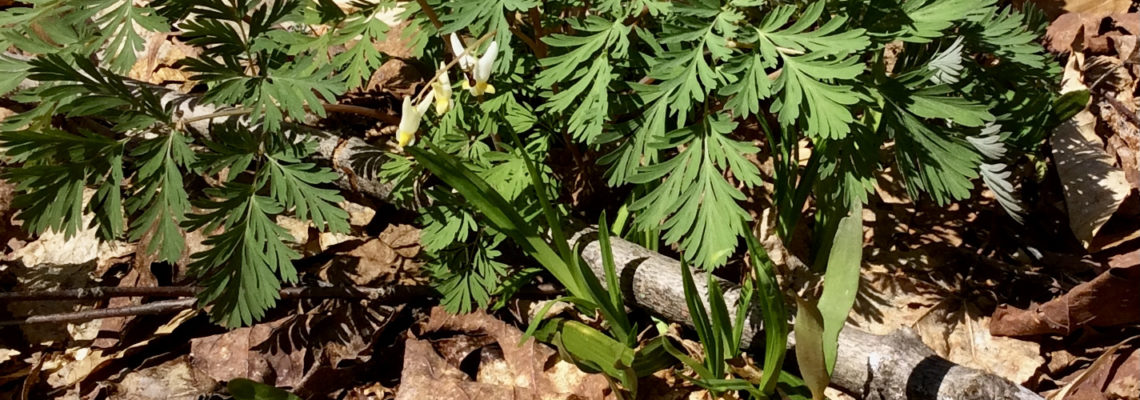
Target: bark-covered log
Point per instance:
(891, 367)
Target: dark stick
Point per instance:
(337, 292)
(158, 307)
(393, 294)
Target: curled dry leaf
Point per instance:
(1094, 187)
(1111, 299)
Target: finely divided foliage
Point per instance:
(679, 100)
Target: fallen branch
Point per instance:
(891, 367)
(388, 294)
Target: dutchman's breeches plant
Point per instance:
(666, 108)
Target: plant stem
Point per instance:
(430, 13)
(336, 108)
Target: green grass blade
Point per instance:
(613, 285)
(553, 218)
(700, 317)
(773, 311)
(498, 212)
(722, 325)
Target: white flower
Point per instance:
(441, 89)
(466, 61)
(482, 72)
(410, 120)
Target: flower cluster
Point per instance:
(476, 74)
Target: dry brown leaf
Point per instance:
(76, 364)
(1094, 32)
(1093, 186)
(234, 354)
(174, 379)
(156, 65)
(954, 328)
(1111, 299)
(1091, 383)
(507, 370)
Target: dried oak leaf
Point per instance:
(1053, 8)
(1111, 299)
(1090, 31)
(234, 354)
(1094, 187)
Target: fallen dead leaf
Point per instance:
(1115, 364)
(952, 326)
(506, 369)
(1093, 186)
(174, 379)
(75, 365)
(1112, 299)
(233, 355)
(1053, 8)
(388, 258)
(1090, 31)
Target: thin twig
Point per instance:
(158, 307)
(390, 294)
(526, 40)
(106, 292)
(430, 13)
(336, 108)
(97, 293)
(365, 111)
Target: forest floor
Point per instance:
(1052, 303)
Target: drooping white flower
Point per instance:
(466, 61)
(482, 72)
(441, 89)
(410, 116)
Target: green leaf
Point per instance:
(498, 212)
(809, 348)
(294, 185)
(357, 62)
(160, 201)
(773, 312)
(245, 389)
(814, 65)
(591, 350)
(841, 281)
(694, 204)
(245, 264)
(706, 328)
(119, 21)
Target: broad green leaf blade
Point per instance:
(245, 389)
(841, 281)
(809, 348)
(591, 349)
